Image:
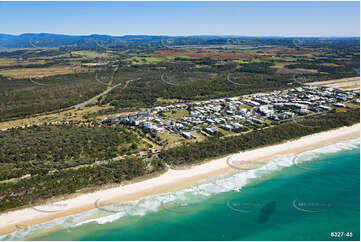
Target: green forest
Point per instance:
(38, 149)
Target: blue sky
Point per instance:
(182, 18)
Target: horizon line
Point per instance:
(192, 35)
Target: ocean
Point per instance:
(311, 196)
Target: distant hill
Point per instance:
(45, 40)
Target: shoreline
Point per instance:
(169, 181)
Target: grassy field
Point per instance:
(352, 83)
(145, 60)
(20, 73)
(74, 115)
(89, 54)
(10, 62)
(170, 140)
(176, 114)
(163, 100)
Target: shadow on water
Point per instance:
(266, 212)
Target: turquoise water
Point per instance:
(281, 201)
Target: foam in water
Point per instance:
(206, 188)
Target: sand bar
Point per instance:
(169, 181)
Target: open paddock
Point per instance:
(352, 83)
(20, 73)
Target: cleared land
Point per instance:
(41, 72)
(352, 83)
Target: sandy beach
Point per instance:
(169, 181)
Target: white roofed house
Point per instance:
(295, 106)
(238, 117)
(226, 127)
(342, 97)
(236, 125)
(194, 114)
(257, 121)
(249, 122)
(143, 116)
(243, 112)
(278, 105)
(158, 121)
(251, 103)
(156, 129)
(325, 108)
(147, 125)
(210, 121)
(300, 106)
(211, 130)
(216, 108)
(134, 122)
(273, 117)
(179, 126)
(157, 109)
(339, 105)
(230, 112)
(186, 135)
(266, 110)
(285, 115)
(261, 100)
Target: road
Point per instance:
(81, 105)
